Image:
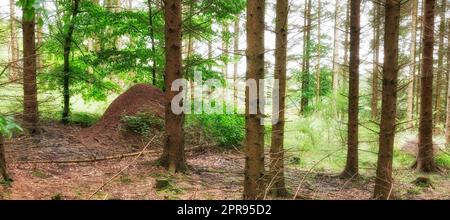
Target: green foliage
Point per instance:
(443, 160)
(227, 130)
(142, 123)
(8, 126)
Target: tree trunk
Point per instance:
(376, 60)
(383, 185)
(410, 110)
(447, 128)
(152, 39)
(236, 60)
(14, 45)
(30, 102)
(173, 157)
(225, 48)
(306, 58)
(254, 184)
(440, 69)
(425, 158)
(336, 49)
(346, 44)
(3, 170)
(66, 71)
(277, 147)
(319, 53)
(352, 168)
(38, 45)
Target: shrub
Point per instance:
(142, 123)
(227, 130)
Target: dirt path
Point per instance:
(214, 175)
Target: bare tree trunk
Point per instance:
(376, 60)
(319, 53)
(254, 184)
(236, 61)
(306, 58)
(425, 159)
(14, 45)
(66, 71)
(152, 39)
(30, 102)
(346, 44)
(352, 167)
(336, 49)
(173, 157)
(277, 148)
(447, 128)
(383, 185)
(3, 170)
(440, 69)
(410, 110)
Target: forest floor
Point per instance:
(214, 174)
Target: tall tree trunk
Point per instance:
(14, 45)
(346, 44)
(425, 158)
(254, 184)
(447, 127)
(152, 39)
(225, 48)
(236, 59)
(3, 170)
(440, 69)
(336, 48)
(306, 58)
(66, 71)
(410, 110)
(383, 185)
(319, 52)
(352, 168)
(30, 102)
(39, 45)
(376, 60)
(419, 68)
(277, 147)
(173, 157)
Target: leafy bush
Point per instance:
(227, 130)
(8, 127)
(142, 123)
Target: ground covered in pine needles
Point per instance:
(58, 165)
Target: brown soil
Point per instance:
(109, 130)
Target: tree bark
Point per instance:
(14, 45)
(336, 49)
(173, 157)
(376, 60)
(30, 102)
(410, 110)
(440, 69)
(66, 71)
(383, 185)
(152, 39)
(306, 58)
(277, 147)
(447, 128)
(352, 168)
(254, 184)
(319, 52)
(425, 158)
(3, 170)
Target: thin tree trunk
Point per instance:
(319, 52)
(376, 60)
(419, 68)
(440, 69)
(277, 147)
(14, 45)
(352, 167)
(173, 157)
(30, 102)
(383, 185)
(410, 110)
(306, 59)
(225, 48)
(38, 45)
(254, 184)
(152, 39)
(346, 44)
(3, 170)
(66, 71)
(236, 61)
(336, 49)
(447, 128)
(425, 158)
